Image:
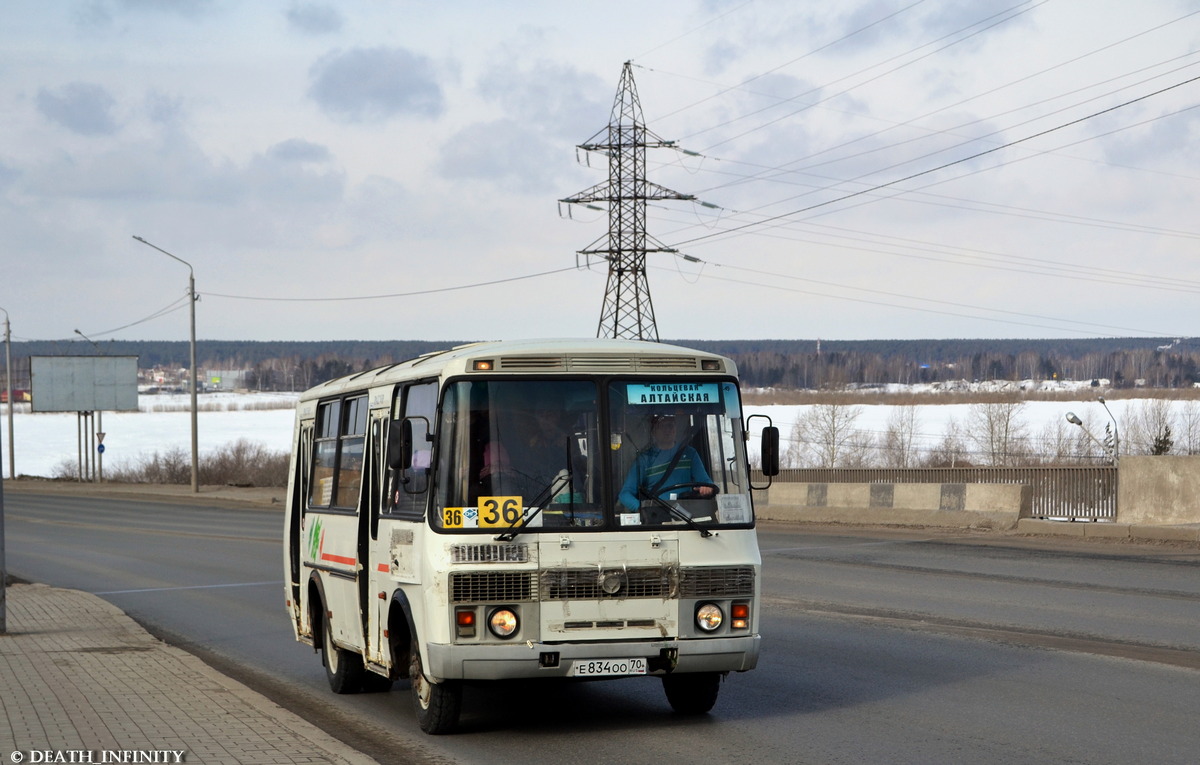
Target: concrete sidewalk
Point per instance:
(82, 682)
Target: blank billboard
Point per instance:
(83, 383)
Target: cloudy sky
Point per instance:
(392, 170)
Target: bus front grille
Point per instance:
(664, 582)
(492, 586)
(609, 584)
(717, 581)
(489, 553)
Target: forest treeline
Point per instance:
(787, 364)
(1123, 362)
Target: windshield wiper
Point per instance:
(556, 485)
(678, 513)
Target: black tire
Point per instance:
(344, 669)
(437, 704)
(694, 693)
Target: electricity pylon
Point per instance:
(627, 311)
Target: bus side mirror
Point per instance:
(399, 449)
(769, 449)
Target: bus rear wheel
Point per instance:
(343, 669)
(694, 693)
(437, 704)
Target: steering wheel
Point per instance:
(691, 487)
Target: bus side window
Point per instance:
(350, 460)
(324, 455)
(337, 462)
(410, 481)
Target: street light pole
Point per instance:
(3, 565)
(12, 474)
(1116, 451)
(12, 470)
(192, 302)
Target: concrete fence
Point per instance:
(1159, 490)
(980, 505)
(1150, 490)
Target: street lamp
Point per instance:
(192, 302)
(90, 340)
(1074, 420)
(1116, 449)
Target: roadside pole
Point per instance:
(3, 567)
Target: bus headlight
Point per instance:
(709, 617)
(503, 623)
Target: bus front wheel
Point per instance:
(437, 704)
(694, 693)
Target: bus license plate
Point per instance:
(609, 667)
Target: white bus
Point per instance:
(527, 509)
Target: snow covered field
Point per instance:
(46, 441)
(1039, 418)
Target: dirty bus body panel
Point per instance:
(526, 509)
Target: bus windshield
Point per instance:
(539, 454)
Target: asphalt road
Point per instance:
(878, 646)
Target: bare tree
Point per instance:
(825, 436)
(1144, 425)
(951, 451)
(1189, 428)
(999, 431)
(899, 440)
(1062, 443)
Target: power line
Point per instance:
(1029, 156)
(994, 90)
(695, 29)
(414, 293)
(940, 312)
(774, 173)
(1011, 10)
(994, 208)
(772, 70)
(167, 309)
(930, 251)
(942, 166)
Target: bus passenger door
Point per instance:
(368, 525)
(297, 505)
(331, 524)
(398, 517)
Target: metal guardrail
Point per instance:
(1087, 492)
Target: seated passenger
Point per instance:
(529, 458)
(649, 476)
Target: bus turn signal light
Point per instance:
(464, 622)
(739, 616)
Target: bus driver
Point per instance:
(649, 474)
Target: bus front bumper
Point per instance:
(523, 660)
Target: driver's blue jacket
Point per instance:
(648, 468)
